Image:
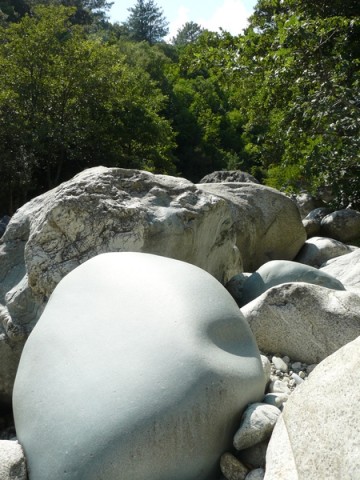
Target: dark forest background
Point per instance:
(280, 101)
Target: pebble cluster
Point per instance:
(247, 460)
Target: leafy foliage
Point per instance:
(68, 102)
(299, 86)
(146, 22)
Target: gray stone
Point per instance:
(232, 468)
(306, 322)
(103, 210)
(228, 176)
(317, 435)
(139, 364)
(346, 268)
(256, 425)
(277, 399)
(254, 456)
(278, 272)
(343, 225)
(312, 221)
(306, 203)
(318, 250)
(12, 461)
(235, 286)
(268, 224)
(266, 367)
(257, 474)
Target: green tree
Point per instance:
(203, 107)
(69, 102)
(146, 22)
(298, 78)
(188, 33)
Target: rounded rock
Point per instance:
(137, 363)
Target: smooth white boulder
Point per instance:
(304, 321)
(318, 250)
(346, 268)
(317, 435)
(140, 367)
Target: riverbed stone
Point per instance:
(139, 364)
(277, 272)
(317, 435)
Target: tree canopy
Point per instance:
(280, 100)
(146, 22)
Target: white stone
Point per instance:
(279, 364)
(138, 363)
(346, 268)
(266, 367)
(317, 435)
(318, 250)
(12, 461)
(256, 425)
(279, 386)
(268, 224)
(306, 322)
(298, 380)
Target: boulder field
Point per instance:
(137, 362)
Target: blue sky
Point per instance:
(231, 15)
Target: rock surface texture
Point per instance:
(228, 176)
(346, 268)
(317, 435)
(306, 322)
(268, 224)
(139, 367)
(12, 461)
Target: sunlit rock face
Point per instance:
(139, 367)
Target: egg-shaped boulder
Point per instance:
(277, 272)
(139, 368)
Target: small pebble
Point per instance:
(279, 386)
(297, 379)
(279, 364)
(276, 399)
(302, 374)
(232, 468)
(257, 474)
(297, 366)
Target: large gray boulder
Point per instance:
(268, 224)
(103, 210)
(139, 367)
(277, 272)
(317, 435)
(343, 225)
(318, 250)
(303, 321)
